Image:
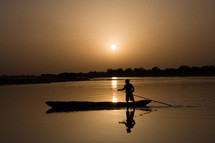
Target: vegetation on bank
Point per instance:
(129, 72)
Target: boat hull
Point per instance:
(63, 106)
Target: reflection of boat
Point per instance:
(63, 106)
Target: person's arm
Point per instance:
(122, 123)
(121, 89)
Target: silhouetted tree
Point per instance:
(139, 71)
(129, 72)
(184, 70)
(120, 72)
(155, 69)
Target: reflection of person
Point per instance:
(130, 120)
(129, 89)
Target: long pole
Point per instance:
(152, 100)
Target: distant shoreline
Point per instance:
(17, 81)
(182, 71)
(32, 81)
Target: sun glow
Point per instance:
(113, 47)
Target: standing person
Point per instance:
(129, 89)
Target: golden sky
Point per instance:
(53, 36)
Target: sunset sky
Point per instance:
(54, 36)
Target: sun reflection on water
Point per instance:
(114, 84)
(114, 88)
(114, 99)
(114, 77)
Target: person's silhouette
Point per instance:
(130, 122)
(129, 89)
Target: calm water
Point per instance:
(192, 119)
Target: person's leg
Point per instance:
(127, 98)
(132, 97)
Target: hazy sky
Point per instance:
(53, 36)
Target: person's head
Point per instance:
(128, 130)
(127, 81)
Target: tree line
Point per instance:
(129, 72)
(156, 71)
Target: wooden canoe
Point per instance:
(63, 106)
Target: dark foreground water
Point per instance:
(190, 120)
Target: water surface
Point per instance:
(191, 119)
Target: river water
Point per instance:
(190, 119)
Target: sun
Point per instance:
(113, 47)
